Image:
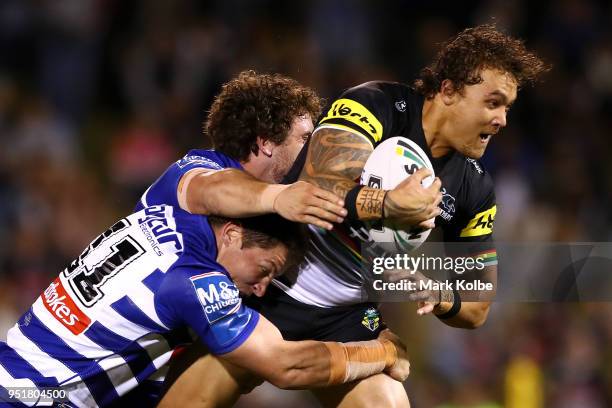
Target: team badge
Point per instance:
(447, 205)
(371, 319)
(400, 105)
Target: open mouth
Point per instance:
(484, 137)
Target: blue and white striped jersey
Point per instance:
(112, 318)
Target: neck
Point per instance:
(217, 231)
(434, 123)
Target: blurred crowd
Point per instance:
(98, 97)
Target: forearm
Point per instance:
(473, 304)
(316, 364)
(471, 315)
(305, 364)
(227, 193)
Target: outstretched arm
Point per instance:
(302, 364)
(234, 193)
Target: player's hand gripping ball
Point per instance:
(390, 163)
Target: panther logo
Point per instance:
(448, 202)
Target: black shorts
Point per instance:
(299, 321)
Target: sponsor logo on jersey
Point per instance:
(62, 307)
(400, 105)
(475, 164)
(201, 160)
(155, 226)
(217, 294)
(447, 205)
(357, 114)
(481, 224)
(371, 319)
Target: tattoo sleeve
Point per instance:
(335, 160)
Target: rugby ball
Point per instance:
(390, 163)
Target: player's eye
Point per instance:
(493, 104)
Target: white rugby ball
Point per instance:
(390, 163)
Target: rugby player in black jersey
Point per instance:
(456, 106)
(258, 124)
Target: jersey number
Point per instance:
(87, 282)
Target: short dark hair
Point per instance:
(462, 58)
(253, 105)
(268, 231)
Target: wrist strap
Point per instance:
(351, 203)
(454, 309)
(355, 360)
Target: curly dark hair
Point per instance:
(462, 58)
(254, 105)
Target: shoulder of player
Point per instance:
(199, 237)
(475, 170)
(383, 89)
(209, 158)
(190, 268)
(172, 230)
(477, 179)
(179, 289)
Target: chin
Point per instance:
(472, 153)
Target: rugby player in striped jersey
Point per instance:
(112, 319)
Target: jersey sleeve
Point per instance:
(210, 304)
(471, 233)
(363, 109)
(164, 189)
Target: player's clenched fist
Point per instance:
(307, 203)
(401, 368)
(412, 204)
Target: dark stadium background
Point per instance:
(97, 97)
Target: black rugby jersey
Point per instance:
(379, 110)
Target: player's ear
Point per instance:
(266, 146)
(231, 235)
(448, 92)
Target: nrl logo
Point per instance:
(371, 319)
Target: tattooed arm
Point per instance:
(334, 162)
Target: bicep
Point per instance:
(336, 159)
(195, 184)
